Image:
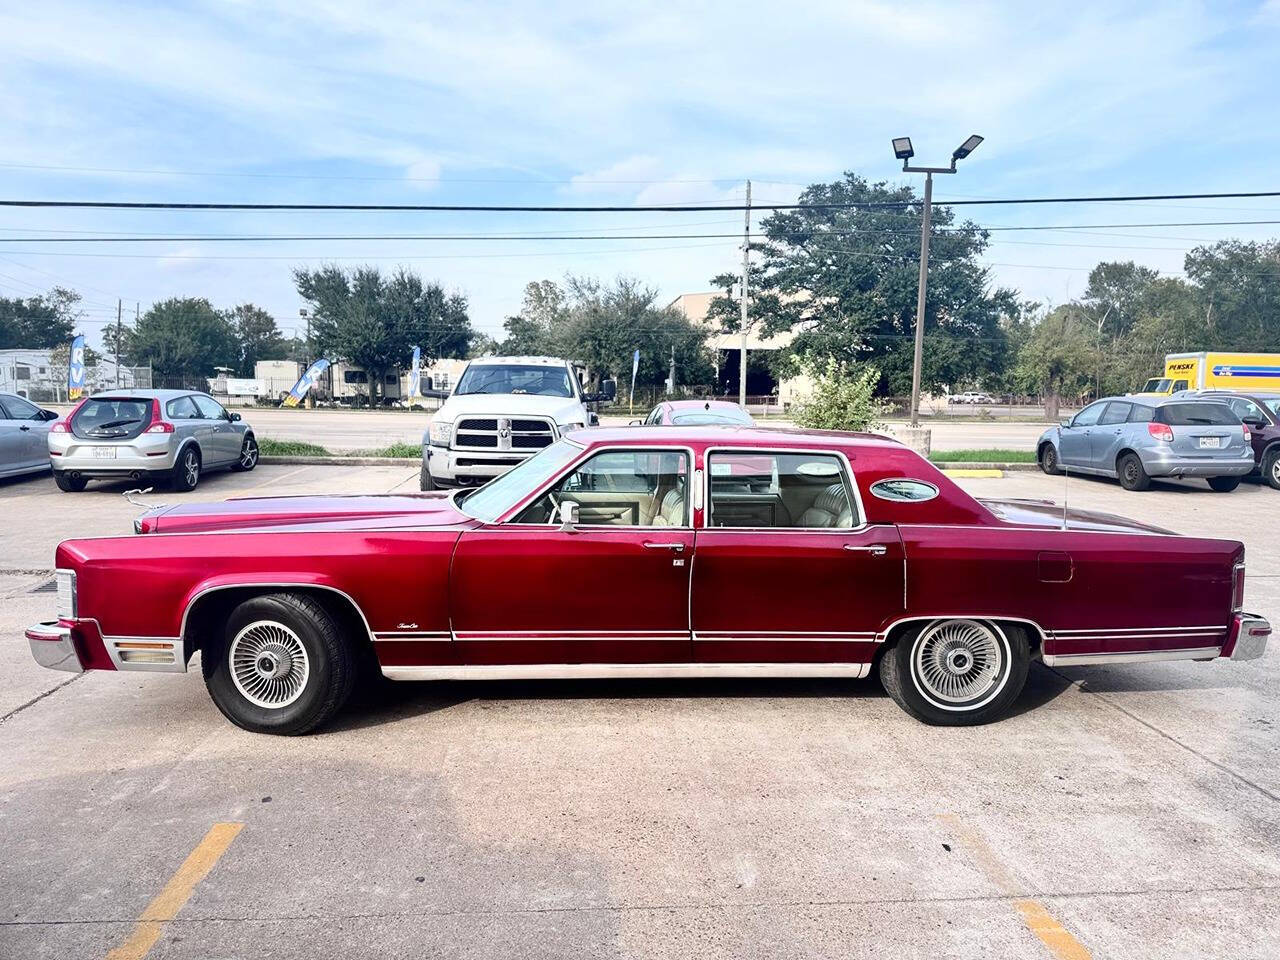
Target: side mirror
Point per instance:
(568, 515)
(608, 391)
(48, 415)
(1065, 421)
(636, 423)
(1254, 423)
(234, 417)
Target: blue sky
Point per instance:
(604, 103)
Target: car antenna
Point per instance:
(1066, 475)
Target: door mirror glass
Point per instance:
(233, 417)
(568, 514)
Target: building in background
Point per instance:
(38, 376)
(727, 347)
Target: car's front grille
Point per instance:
(502, 433)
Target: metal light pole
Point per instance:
(903, 151)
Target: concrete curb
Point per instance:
(342, 461)
(945, 465)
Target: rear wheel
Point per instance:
(1224, 484)
(956, 672)
(1049, 460)
(1271, 468)
(283, 665)
(1133, 476)
(248, 456)
(69, 484)
(186, 472)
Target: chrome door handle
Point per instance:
(876, 551)
(677, 547)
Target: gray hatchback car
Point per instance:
(1137, 438)
(166, 436)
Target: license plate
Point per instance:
(1210, 443)
(104, 453)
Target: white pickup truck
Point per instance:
(504, 410)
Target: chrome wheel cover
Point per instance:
(1275, 470)
(269, 664)
(960, 664)
(248, 454)
(191, 468)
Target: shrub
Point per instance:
(843, 398)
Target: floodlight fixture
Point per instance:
(902, 148)
(966, 148)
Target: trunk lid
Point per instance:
(1046, 513)
(108, 419)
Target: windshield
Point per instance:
(544, 381)
(1156, 386)
(502, 493)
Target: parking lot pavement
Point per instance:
(1119, 812)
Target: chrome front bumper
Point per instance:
(471, 466)
(1251, 633)
(52, 647)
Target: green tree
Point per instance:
(531, 332)
(39, 322)
(183, 337)
(1057, 358)
(842, 272)
(257, 337)
(374, 323)
(1239, 285)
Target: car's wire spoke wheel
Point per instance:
(249, 453)
(269, 664)
(960, 664)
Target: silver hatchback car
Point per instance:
(166, 436)
(1137, 438)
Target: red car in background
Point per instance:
(697, 413)
(646, 551)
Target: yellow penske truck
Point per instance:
(1218, 371)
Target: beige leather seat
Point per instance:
(671, 513)
(830, 509)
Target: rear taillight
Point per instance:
(1248, 437)
(1161, 431)
(59, 426)
(157, 425)
(1237, 588)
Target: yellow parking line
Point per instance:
(1051, 933)
(283, 476)
(1056, 938)
(963, 472)
(176, 892)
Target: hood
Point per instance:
(1046, 513)
(351, 513)
(561, 409)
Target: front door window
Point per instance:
(621, 488)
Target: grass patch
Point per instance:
(290, 448)
(989, 455)
(398, 451)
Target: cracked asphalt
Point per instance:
(1118, 812)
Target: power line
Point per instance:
(654, 208)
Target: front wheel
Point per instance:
(425, 480)
(248, 458)
(1224, 484)
(1271, 468)
(1133, 475)
(283, 665)
(956, 672)
(1049, 460)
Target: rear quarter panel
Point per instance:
(1089, 592)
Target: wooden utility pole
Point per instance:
(119, 324)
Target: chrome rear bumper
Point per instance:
(52, 647)
(1251, 633)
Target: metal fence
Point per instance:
(98, 377)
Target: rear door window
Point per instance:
(1197, 415)
(182, 409)
(1117, 412)
(780, 490)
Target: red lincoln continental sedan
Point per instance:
(648, 551)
